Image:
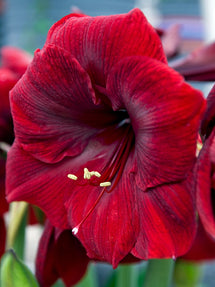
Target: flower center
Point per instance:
(110, 175)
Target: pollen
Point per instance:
(106, 183)
(72, 176)
(88, 174)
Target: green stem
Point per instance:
(159, 273)
(127, 276)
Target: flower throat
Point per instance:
(110, 175)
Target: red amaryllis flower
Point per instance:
(60, 255)
(203, 247)
(99, 105)
(15, 59)
(198, 65)
(206, 168)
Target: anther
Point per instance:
(88, 174)
(106, 183)
(72, 176)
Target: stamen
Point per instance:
(72, 176)
(88, 174)
(76, 228)
(199, 145)
(106, 183)
(111, 173)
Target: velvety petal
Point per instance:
(2, 236)
(36, 183)
(7, 80)
(206, 184)
(54, 110)
(198, 65)
(208, 121)
(45, 270)
(110, 231)
(62, 257)
(100, 42)
(47, 186)
(167, 220)
(203, 247)
(15, 60)
(164, 113)
(3, 202)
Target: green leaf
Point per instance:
(14, 273)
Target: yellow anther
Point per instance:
(106, 183)
(96, 173)
(88, 174)
(198, 148)
(72, 176)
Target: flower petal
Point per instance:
(203, 247)
(15, 60)
(206, 184)
(2, 236)
(167, 213)
(54, 109)
(198, 65)
(208, 121)
(100, 42)
(47, 185)
(113, 225)
(3, 202)
(164, 113)
(36, 183)
(62, 257)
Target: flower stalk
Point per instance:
(159, 273)
(127, 275)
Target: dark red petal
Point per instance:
(71, 260)
(63, 258)
(113, 224)
(199, 65)
(203, 247)
(45, 269)
(98, 43)
(47, 186)
(208, 121)
(2, 236)
(37, 183)
(15, 60)
(206, 184)
(3, 202)
(54, 109)
(165, 114)
(167, 221)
